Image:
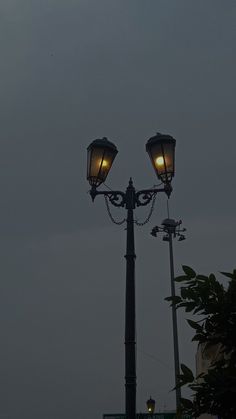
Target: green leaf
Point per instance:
(189, 271)
(202, 277)
(212, 277)
(168, 298)
(194, 325)
(207, 299)
(181, 278)
(199, 338)
(175, 300)
(186, 403)
(184, 291)
(229, 275)
(184, 304)
(187, 373)
(190, 307)
(201, 375)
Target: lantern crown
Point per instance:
(102, 142)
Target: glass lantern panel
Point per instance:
(162, 157)
(105, 164)
(100, 163)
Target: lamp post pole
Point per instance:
(175, 327)
(130, 200)
(173, 229)
(101, 154)
(130, 338)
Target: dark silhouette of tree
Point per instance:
(214, 391)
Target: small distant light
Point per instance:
(150, 405)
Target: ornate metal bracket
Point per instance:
(131, 199)
(144, 197)
(116, 198)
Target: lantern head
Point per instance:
(161, 150)
(101, 154)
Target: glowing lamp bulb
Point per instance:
(160, 161)
(103, 163)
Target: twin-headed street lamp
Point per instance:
(101, 154)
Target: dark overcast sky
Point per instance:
(72, 71)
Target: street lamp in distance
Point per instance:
(173, 229)
(150, 405)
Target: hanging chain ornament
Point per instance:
(150, 213)
(110, 214)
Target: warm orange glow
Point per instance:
(104, 163)
(160, 161)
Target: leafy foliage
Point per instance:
(214, 391)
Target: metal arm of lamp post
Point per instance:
(173, 229)
(101, 154)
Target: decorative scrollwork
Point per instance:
(144, 197)
(116, 198)
(153, 198)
